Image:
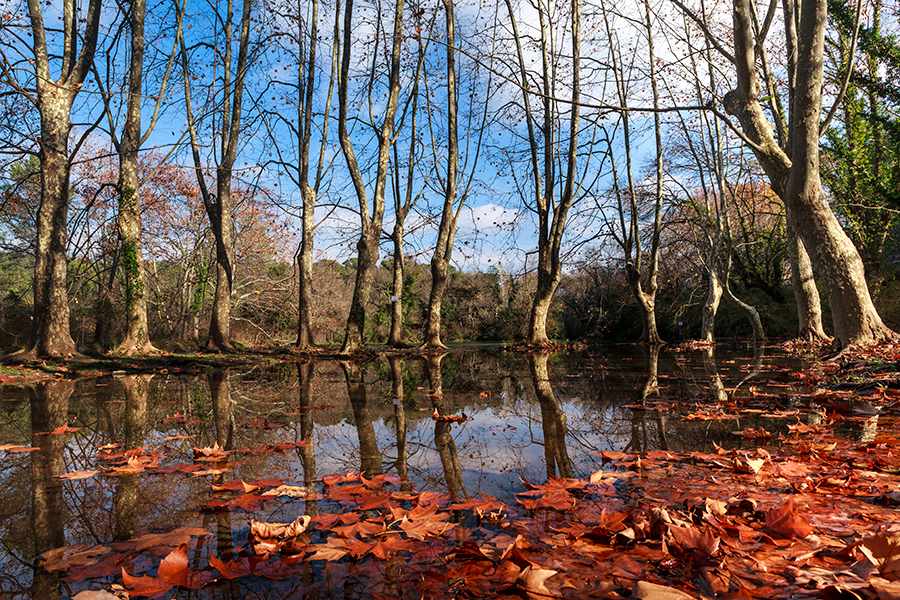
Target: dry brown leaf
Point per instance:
(884, 552)
(532, 582)
(644, 590)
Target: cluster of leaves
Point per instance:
(810, 517)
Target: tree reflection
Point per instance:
(396, 366)
(305, 372)
(369, 455)
(443, 438)
(136, 388)
(640, 434)
(553, 420)
(223, 416)
(223, 410)
(49, 410)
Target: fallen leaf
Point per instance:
(785, 521)
(644, 590)
(75, 475)
(884, 552)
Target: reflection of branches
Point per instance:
(128, 486)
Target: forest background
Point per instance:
(272, 173)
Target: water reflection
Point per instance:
(49, 411)
(398, 399)
(529, 417)
(134, 429)
(305, 371)
(640, 417)
(553, 419)
(443, 436)
(369, 454)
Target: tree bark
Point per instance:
(713, 295)
(440, 261)
(806, 294)
(395, 338)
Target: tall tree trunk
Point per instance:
(51, 335)
(714, 293)
(806, 294)
(137, 335)
(794, 174)
(220, 218)
(305, 338)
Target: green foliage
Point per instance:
(862, 151)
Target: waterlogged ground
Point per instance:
(595, 473)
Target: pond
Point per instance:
(108, 462)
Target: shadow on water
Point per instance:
(462, 423)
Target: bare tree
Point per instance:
(218, 204)
(137, 336)
(552, 210)
(641, 265)
(370, 217)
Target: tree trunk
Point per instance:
(370, 223)
(806, 294)
(137, 335)
(51, 334)
(220, 323)
(547, 282)
(795, 175)
(646, 301)
(440, 261)
(395, 339)
(305, 338)
(367, 257)
(435, 300)
(713, 297)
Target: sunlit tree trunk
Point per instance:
(54, 99)
(552, 213)
(218, 205)
(806, 294)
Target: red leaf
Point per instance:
(785, 521)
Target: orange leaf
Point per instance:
(785, 521)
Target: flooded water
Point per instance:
(469, 422)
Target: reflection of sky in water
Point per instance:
(501, 443)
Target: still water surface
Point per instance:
(526, 417)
